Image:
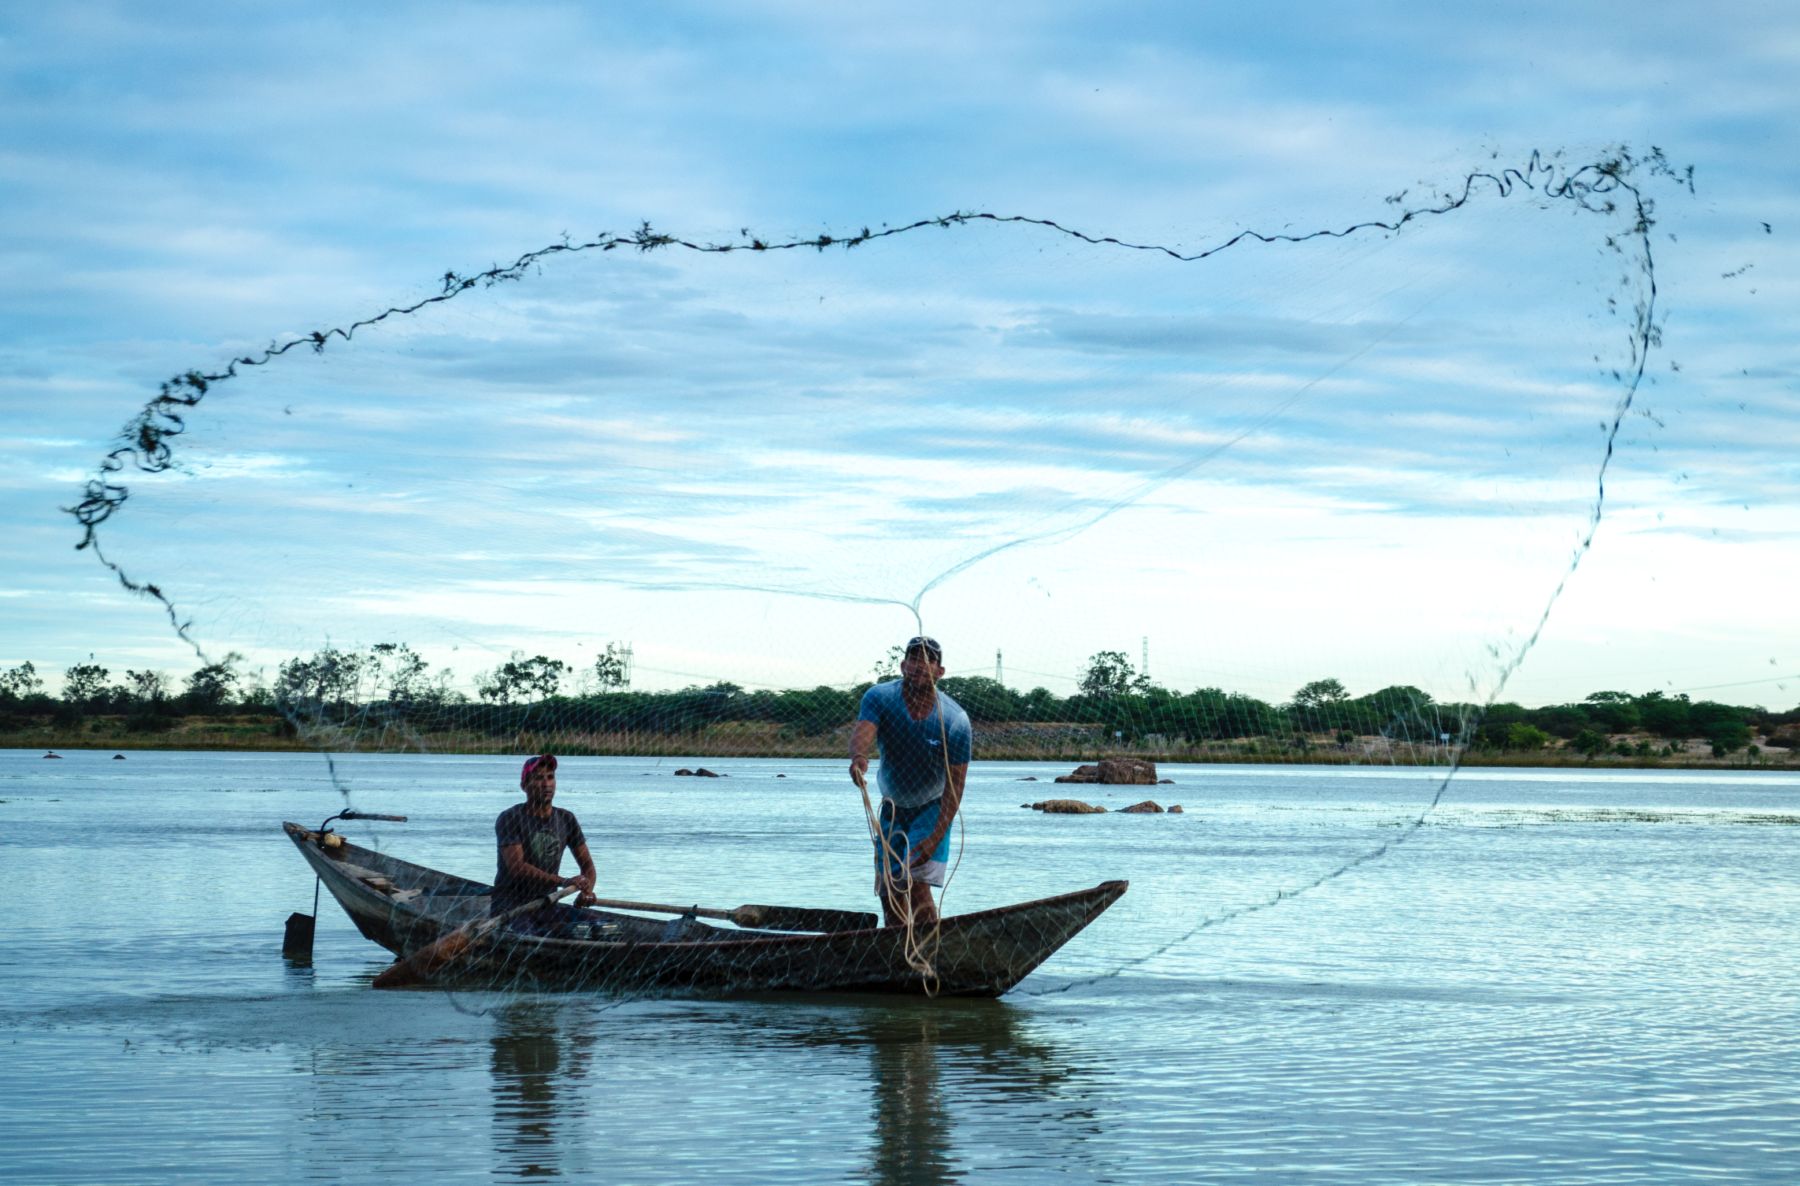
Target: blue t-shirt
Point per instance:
(912, 752)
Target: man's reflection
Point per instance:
(981, 1047)
(912, 1127)
(531, 1071)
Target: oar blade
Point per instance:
(419, 967)
(803, 918)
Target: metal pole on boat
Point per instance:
(297, 943)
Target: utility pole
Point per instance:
(1144, 667)
(997, 678)
(625, 653)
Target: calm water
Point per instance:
(1564, 977)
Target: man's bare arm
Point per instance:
(862, 740)
(951, 803)
(513, 857)
(588, 879)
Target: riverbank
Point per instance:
(732, 741)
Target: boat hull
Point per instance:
(403, 907)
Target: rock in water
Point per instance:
(1175, 809)
(1127, 772)
(1068, 807)
(684, 771)
(1115, 772)
(1147, 807)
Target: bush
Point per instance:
(1526, 737)
(1588, 742)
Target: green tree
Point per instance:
(1721, 724)
(1526, 737)
(1728, 736)
(1321, 693)
(522, 678)
(887, 668)
(1617, 712)
(330, 677)
(1109, 673)
(610, 671)
(147, 687)
(1590, 743)
(1665, 716)
(403, 670)
(212, 685)
(982, 697)
(22, 681)
(84, 683)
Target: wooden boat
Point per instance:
(403, 907)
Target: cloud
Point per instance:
(189, 187)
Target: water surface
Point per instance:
(1562, 977)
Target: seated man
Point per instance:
(925, 747)
(532, 836)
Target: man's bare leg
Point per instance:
(893, 905)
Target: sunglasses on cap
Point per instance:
(929, 645)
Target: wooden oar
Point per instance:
(764, 918)
(426, 962)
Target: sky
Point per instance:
(1372, 458)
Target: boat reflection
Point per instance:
(948, 1088)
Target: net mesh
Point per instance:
(1215, 495)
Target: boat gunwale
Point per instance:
(372, 896)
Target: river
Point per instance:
(1562, 976)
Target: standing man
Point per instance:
(925, 744)
(531, 837)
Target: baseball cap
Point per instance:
(930, 646)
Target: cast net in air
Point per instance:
(1198, 495)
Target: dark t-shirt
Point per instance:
(543, 842)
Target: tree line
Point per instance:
(391, 684)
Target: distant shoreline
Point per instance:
(658, 746)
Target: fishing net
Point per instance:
(1297, 492)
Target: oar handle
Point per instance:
(527, 908)
(656, 908)
(774, 918)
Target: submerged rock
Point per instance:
(1067, 807)
(1127, 772)
(1115, 772)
